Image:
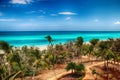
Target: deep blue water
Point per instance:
(35, 38)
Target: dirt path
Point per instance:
(89, 75)
(50, 75)
(60, 72)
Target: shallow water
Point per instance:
(36, 38)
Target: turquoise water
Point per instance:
(36, 38)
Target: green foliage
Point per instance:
(5, 46)
(62, 57)
(109, 55)
(94, 71)
(80, 68)
(71, 66)
(79, 42)
(103, 45)
(94, 41)
(77, 68)
(2, 70)
(53, 59)
(116, 45)
(49, 38)
(15, 58)
(59, 47)
(36, 53)
(30, 60)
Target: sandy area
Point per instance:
(42, 47)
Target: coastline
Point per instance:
(37, 38)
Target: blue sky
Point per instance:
(59, 15)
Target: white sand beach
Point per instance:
(42, 47)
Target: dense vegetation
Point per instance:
(18, 62)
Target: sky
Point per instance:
(59, 15)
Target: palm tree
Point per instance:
(49, 38)
(116, 49)
(37, 56)
(5, 46)
(79, 43)
(52, 57)
(6, 62)
(16, 64)
(38, 62)
(62, 57)
(109, 55)
(51, 60)
(70, 51)
(103, 46)
(93, 43)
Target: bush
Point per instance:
(79, 69)
(76, 68)
(71, 66)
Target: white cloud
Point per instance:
(67, 13)
(96, 20)
(68, 18)
(1, 13)
(117, 22)
(20, 1)
(7, 20)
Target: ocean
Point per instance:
(37, 38)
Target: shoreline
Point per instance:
(42, 47)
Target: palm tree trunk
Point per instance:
(78, 56)
(34, 73)
(89, 58)
(9, 69)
